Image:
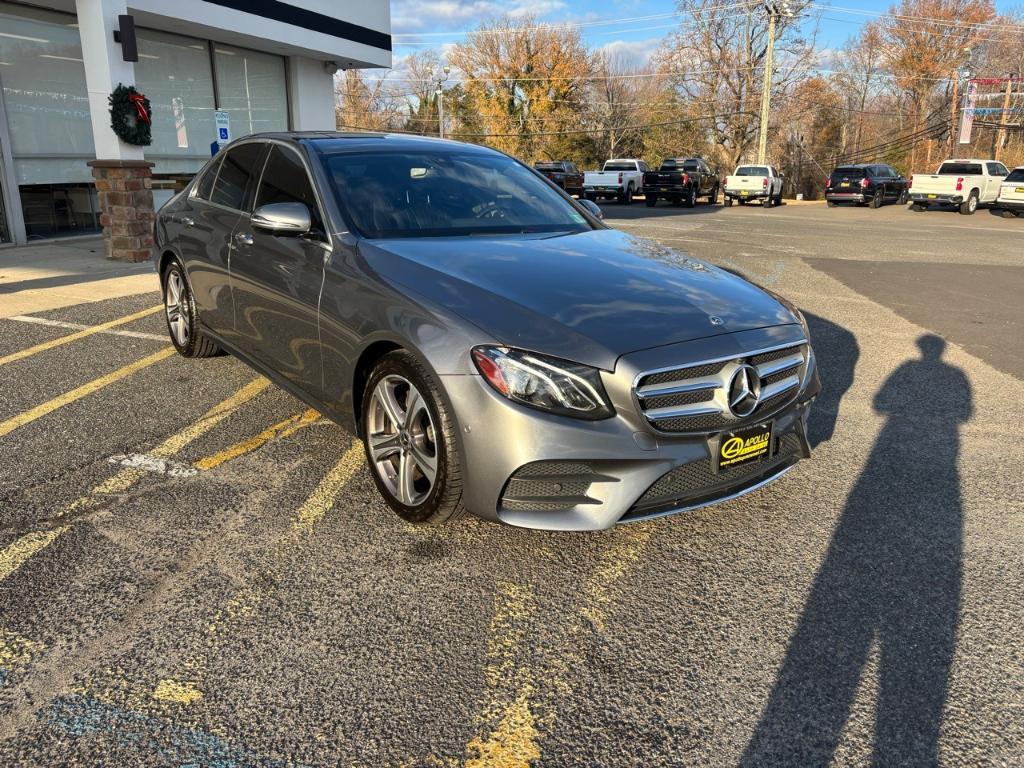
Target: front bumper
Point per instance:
(531, 469)
(933, 199)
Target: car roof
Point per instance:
(335, 141)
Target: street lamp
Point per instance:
(775, 10)
(439, 94)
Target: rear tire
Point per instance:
(713, 197)
(182, 316)
(917, 207)
(904, 197)
(728, 202)
(691, 198)
(395, 450)
(876, 199)
(831, 203)
(970, 205)
(627, 196)
(768, 202)
(650, 201)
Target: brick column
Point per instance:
(126, 206)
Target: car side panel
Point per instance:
(204, 244)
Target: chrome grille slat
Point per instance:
(771, 390)
(672, 412)
(782, 364)
(677, 387)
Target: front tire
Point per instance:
(182, 316)
(409, 437)
(970, 205)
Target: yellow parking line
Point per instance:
(15, 554)
(282, 429)
(78, 393)
(78, 335)
(326, 493)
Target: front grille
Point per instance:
(551, 486)
(697, 481)
(694, 398)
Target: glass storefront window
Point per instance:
(251, 88)
(174, 73)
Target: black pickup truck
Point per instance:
(681, 180)
(563, 173)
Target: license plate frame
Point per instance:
(743, 447)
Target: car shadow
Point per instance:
(890, 580)
(837, 351)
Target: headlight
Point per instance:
(546, 383)
(811, 362)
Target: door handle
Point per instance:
(243, 238)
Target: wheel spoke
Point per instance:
(382, 446)
(413, 405)
(385, 397)
(426, 462)
(406, 489)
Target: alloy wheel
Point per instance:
(402, 439)
(175, 299)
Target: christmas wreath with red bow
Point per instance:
(131, 116)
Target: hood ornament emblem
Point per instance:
(716, 320)
(744, 391)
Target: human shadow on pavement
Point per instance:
(892, 575)
(837, 352)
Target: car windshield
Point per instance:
(960, 169)
(1016, 175)
(751, 170)
(856, 173)
(620, 166)
(445, 194)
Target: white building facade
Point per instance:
(268, 65)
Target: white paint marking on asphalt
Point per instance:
(155, 464)
(80, 327)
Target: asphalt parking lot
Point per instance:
(197, 570)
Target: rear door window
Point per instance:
(996, 169)
(285, 181)
(238, 170)
(960, 169)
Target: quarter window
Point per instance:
(236, 172)
(285, 181)
(205, 185)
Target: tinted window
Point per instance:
(751, 170)
(996, 169)
(620, 166)
(285, 181)
(960, 169)
(548, 166)
(1016, 175)
(236, 170)
(435, 194)
(849, 172)
(205, 184)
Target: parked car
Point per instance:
(964, 183)
(619, 179)
(563, 173)
(681, 180)
(496, 348)
(754, 182)
(873, 184)
(1011, 193)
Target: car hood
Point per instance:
(588, 297)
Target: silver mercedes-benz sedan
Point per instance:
(495, 345)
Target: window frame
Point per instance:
(257, 167)
(213, 167)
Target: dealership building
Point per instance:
(210, 69)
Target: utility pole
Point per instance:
(961, 71)
(439, 93)
(1004, 117)
(774, 11)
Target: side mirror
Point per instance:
(592, 208)
(282, 219)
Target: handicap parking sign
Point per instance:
(223, 124)
(223, 134)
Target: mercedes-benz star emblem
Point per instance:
(716, 320)
(744, 391)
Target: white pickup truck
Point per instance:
(1011, 193)
(754, 182)
(964, 183)
(621, 179)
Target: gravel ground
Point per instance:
(262, 607)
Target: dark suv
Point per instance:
(563, 174)
(872, 184)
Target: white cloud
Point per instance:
(411, 16)
(634, 53)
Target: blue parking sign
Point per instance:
(223, 134)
